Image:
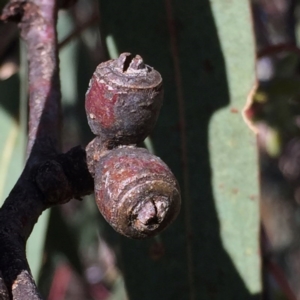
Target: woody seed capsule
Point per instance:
(136, 192)
(123, 100)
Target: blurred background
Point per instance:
(238, 233)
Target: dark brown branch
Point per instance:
(54, 181)
(48, 178)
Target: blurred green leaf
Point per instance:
(13, 134)
(35, 244)
(233, 147)
(12, 147)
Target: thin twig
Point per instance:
(78, 30)
(277, 49)
(271, 267)
(280, 278)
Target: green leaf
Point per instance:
(35, 244)
(205, 53)
(233, 152)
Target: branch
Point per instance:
(277, 49)
(51, 182)
(49, 178)
(280, 278)
(37, 23)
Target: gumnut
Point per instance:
(123, 100)
(136, 192)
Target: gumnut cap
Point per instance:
(123, 100)
(136, 192)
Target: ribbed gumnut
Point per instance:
(136, 192)
(123, 100)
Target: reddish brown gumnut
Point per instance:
(123, 100)
(136, 192)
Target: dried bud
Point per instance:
(136, 192)
(123, 100)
